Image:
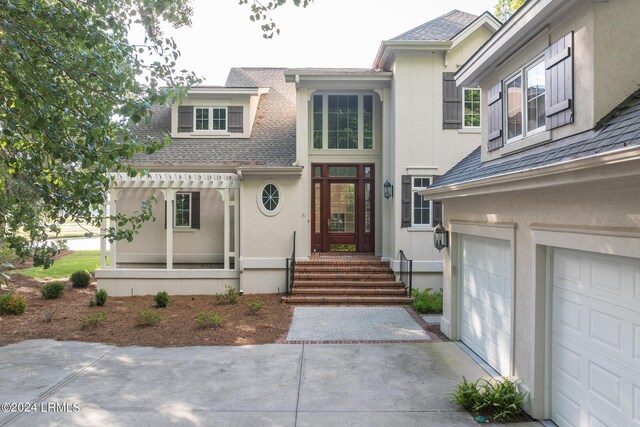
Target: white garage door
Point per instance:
(595, 334)
(485, 315)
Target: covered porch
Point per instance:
(192, 246)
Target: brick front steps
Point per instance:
(357, 280)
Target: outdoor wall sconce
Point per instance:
(440, 237)
(388, 190)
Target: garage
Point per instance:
(486, 288)
(595, 339)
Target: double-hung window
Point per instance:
(471, 107)
(210, 118)
(183, 210)
(525, 102)
(342, 122)
(421, 209)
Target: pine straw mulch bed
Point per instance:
(120, 327)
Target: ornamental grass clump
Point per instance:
(497, 398)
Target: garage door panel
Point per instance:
(567, 313)
(568, 413)
(486, 299)
(595, 340)
(567, 364)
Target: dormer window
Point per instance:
(525, 110)
(211, 118)
(218, 120)
(537, 98)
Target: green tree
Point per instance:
(505, 8)
(71, 86)
(261, 13)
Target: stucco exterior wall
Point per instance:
(189, 245)
(421, 147)
(265, 241)
(617, 68)
(597, 210)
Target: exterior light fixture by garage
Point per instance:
(388, 190)
(440, 237)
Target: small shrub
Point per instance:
(427, 301)
(467, 394)
(92, 320)
(12, 304)
(499, 399)
(80, 279)
(149, 318)
(101, 297)
(230, 296)
(255, 306)
(161, 299)
(52, 290)
(209, 320)
(47, 314)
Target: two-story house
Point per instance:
(317, 152)
(542, 269)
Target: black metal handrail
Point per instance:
(290, 268)
(406, 273)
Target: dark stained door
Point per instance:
(342, 201)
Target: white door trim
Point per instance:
(501, 231)
(545, 237)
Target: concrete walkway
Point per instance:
(276, 384)
(354, 324)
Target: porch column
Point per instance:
(225, 201)
(169, 197)
(113, 223)
(236, 231)
(103, 239)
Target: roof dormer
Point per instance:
(216, 112)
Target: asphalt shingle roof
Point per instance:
(618, 130)
(442, 28)
(273, 137)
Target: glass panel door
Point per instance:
(342, 207)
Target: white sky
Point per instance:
(328, 33)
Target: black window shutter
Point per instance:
(235, 119)
(406, 201)
(437, 206)
(451, 103)
(559, 82)
(437, 212)
(195, 210)
(494, 102)
(185, 119)
(165, 214)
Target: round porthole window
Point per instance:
(269, 198)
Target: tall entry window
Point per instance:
(343, 122)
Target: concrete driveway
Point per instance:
(84, 384)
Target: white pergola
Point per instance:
(227, 184)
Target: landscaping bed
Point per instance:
(120, 325)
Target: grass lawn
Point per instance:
(63, 267)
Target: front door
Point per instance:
(342, 208)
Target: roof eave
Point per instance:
(287, 170)
(544, 176)
(524, 25)
(389, 48)
(486, 20)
